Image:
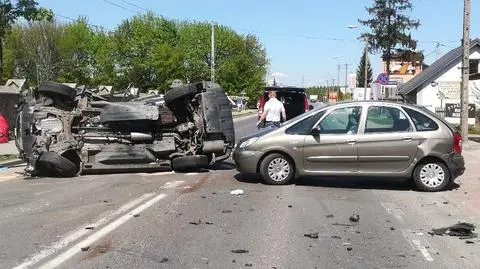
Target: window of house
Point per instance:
(382, 119)
(422, 122)
(474, 66)
(341, 121)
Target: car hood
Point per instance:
(258, 133)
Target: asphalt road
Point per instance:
(170, 220)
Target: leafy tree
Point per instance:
(10, 12)
(389, 27)
(361, 71)
(139, 40)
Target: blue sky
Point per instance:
(304, 39)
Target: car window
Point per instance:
(382, 119)
(304, 126)
(341, 121)
(422, 122)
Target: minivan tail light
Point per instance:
(306, 103)
(260, 105)
(457, 143)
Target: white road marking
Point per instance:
(97, 235)
(173, 184)
(423, 250)
(415, 240)
(81, 231)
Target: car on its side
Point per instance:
(294, 100)
(366, 138)
(63, 131)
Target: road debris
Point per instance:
(196, 222)
(89, 228)
(290, 206)
(239, 251)
(237, 192)
(462, 230)
(392, 228)
(208, 223)
(469, 242)
(336, 237)
(136, 215)
(329, 216)
(248, 265)
(445, 202)
(312, 235)
(85, 248)
(354, 218)
(226, 211)
(164, 260)
(349, 249)
(203, 196)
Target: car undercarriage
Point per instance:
(62, 131)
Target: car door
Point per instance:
(387, 142)
(332, 148)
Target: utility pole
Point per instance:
(346, 77)
(213, 53)
(465, 71)
(437, 51)
(338, 78)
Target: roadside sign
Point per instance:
(453, 110)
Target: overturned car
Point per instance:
(65, 132)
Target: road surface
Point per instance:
(170, 220)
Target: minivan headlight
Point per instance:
(248, 142)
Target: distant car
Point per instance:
(357, 139)
(294, 100)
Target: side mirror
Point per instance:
(315, 131)
(310, 107)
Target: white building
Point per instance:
(438, 86)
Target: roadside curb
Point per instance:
(11, 163)
(244, 117)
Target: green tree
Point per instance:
(389, 27)
(361, 71)
(10, 12)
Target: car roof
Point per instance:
(284, 88)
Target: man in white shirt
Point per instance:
(273, 111)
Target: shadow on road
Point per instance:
(377, 183)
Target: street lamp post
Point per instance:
(365, 64)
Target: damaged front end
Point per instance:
(64, 132)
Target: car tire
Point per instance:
(52, 164)
(431, 176)
(180, 92)
(187, 163)
(270, 163)
(54, 89)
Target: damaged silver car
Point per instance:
(65, 132)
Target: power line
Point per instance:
(134, 5)
(72, 19)
(119, 6)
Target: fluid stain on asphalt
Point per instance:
(103, 247)
(197, 185)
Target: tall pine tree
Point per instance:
(389, 27)
(361, 71)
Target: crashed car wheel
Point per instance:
(52, 164)
(54, 89)
(180, 92)
(189, 162)
(277, 169)
(431, 176)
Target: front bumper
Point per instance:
(246, 161)
(455, 163)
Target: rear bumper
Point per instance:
(455, 163)
(246, 161)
